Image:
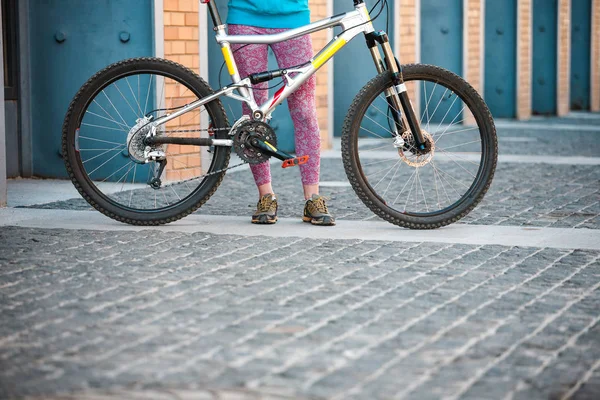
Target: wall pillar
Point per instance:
(407, 31)
(320, 9)
(524, 58)
(473, 47)
(181, 44)
(563, 86)
(407, 36)
(3, 184)
(595, 59)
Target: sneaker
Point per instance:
(266, 210)
(315, 211)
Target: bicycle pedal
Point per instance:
(292, 162)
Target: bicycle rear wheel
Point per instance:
(412, 188)
(103, 145)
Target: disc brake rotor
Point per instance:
(409, 153)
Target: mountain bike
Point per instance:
(146, 141)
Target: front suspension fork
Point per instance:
(397, 96)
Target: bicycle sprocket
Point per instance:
(243, 136)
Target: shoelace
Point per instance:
(266, 204)
(320, 204)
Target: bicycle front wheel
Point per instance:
(415, 188)
(103, 142)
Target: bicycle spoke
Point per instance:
(404, 187)
(147, 95)
(141, 114)
(426, 111)
(393, 176)
(104, 127)
(101, 154)
(111, 117)
(451, 123)
(126, 101)
(126, 128)
(114, 108)
(437, 106)
(447, 111)
(132, 182)
(422, 191)
(459, 145)
(101, 165)
(100, 140)
(450, 155)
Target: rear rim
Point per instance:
(109, 151)
(449, 175)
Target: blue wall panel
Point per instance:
(70, 41)
(581, 13)
(353, 65)
(544, 56)
(501, 57)
(281, 121)
(442, 45)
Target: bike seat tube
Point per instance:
(214, 12)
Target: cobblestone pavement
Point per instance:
(334, 319)
(171, 315)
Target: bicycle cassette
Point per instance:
(243, 136)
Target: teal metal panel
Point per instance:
(281, 122)
(501, 57)
(70, 41)
(545, 17)
(442, 45)
(353, 65)
(581, 30)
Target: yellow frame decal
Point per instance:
(270, 146)
(366, 11)
(228, 59)
(327, 53)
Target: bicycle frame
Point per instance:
(352, 23)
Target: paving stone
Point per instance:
(336, 319)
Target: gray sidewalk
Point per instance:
(502, 305)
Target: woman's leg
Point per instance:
(251, 59)
(303, 110)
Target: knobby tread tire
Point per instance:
(80, 102)
(350, 149)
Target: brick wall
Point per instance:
(595, 78)
(318, 10)
(473, 48)
(564, 57)
(407, 51)
(406, 25)
(524, 58)
(473, 44)
(181, 45)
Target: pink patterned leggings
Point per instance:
(252, 59)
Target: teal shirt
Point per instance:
(269, 13)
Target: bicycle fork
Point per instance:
(397, 96)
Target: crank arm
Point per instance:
(270, 149)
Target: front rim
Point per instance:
(112, 162)
(449, 176)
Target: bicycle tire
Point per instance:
(429, 219)
(87, 95)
